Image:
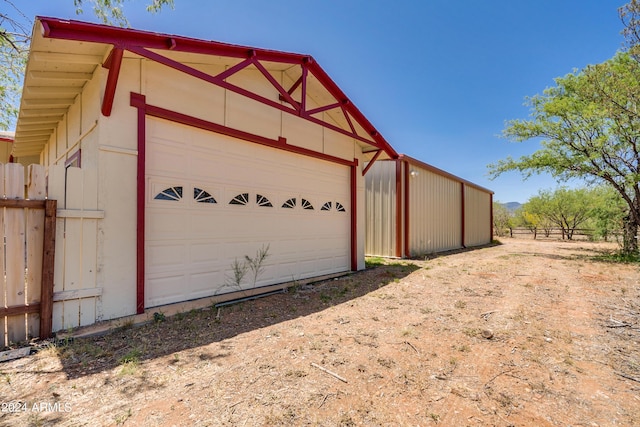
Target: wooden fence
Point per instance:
(553, 233)
(27, 248)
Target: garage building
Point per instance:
(175, 159)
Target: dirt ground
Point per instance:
(527, 333)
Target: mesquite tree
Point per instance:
(589, 126)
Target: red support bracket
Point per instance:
(113, 63)
(371, 162)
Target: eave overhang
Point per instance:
(65, 54)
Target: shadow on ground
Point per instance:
(130, 345)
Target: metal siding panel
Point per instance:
(434, 211)
(380, 190)
(477, 217)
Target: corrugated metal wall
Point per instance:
(477, 216)
(380, 209)
(435, 204)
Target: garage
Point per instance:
(178, 159)
(214, 199)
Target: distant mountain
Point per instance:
(512, 206)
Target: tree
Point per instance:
(15, 33)
(110, 11)
(501, 218)
(608, 212)
(14, 45)
(630, 16)
(535, 212)
(589, 124)
(527, 219)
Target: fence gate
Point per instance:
(27, 228)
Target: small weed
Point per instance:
(407, 332)
(471, 332)
(460, 304)
(620, 257)
(296, 374)
(122, 418)
(325, 298)
(464, 348)
(434, 417)
(426, 310)
(159, 317)
(130, 362)
(132, 356)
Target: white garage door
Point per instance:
(212, 200)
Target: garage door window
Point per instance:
(240, 199)
(202, 196)
(263, 201)
(171, 193)
(307, 205)
(290, 204)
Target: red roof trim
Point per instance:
(441, 172)
(138, 41)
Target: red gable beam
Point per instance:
(140, 43)
(113, 63)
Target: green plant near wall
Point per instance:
(253, 265)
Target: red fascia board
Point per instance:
(441, 172)
(4, 139)
(124, 37)
(128, 38)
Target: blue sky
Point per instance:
(438, 78)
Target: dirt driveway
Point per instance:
(526, 333)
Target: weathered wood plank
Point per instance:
(57, 321)
(14, 354)
(78, 213)
(21, 203)
(87, 311)
(20, 309)
(77, 294)
(14, 225)
(74, 253)
(36, 190)
(3, 303)
(48, 264)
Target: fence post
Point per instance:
(48, 262)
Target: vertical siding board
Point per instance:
(15, 260)
(434, 210)
(381, 205)
(73, 247)
(36, 190)
(89, 245)
(56, 191)
(477, 216)
(3, 284)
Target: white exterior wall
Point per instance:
(101, 284)
(435, 212)
(78, 260)
(478, 207)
